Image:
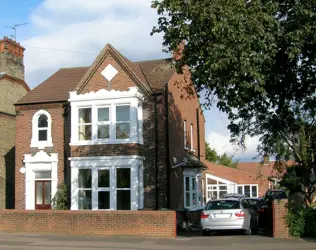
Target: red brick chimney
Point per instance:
(11, 58)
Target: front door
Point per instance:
(42, 194)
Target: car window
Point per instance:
(222, 205)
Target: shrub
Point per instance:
(60, 200)
(302, 222)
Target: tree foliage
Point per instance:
(224, 159)
(256, 60)
(60, 200)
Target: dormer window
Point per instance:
(41, 130)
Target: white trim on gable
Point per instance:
(35, 143)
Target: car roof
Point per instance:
(230, 199)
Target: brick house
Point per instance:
(12, 88)
(122, 135)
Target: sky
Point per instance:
(69, 33)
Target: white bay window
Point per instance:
(106, 117)
(107, 183)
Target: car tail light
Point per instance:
(204, 216)
(240, 214)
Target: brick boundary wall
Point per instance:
(280, 229)
(107, 223)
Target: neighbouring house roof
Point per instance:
(259, 168)
(3, 75)
(231, 174)
(151, 75)
(56, 88)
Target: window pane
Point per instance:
(47, 192)
(104, 178)
(42, 121)
(223, 205)
(187, 183)
(84, 197)
(123, 178)
(43, 175)
(193, 184)
(239, 190)
(221, 193)
(122, 130)
(104, 200)
(211, 181)
(103, 114)
(39, 193)
(103, 131)
(122, 113)
(222, 187)
(187, 199)
(85, 115)
(123, 199)
(254, 191)
(42, 135)
(84, 132)
(193, 199)
(84, 180)
(247, 191)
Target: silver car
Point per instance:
(228, 214)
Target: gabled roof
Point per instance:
(150, 76)
(17, 80)
(56, 88)
(131, 68)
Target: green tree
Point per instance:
(210, 154)
(226, 160)
(256, 60)
(60, 200)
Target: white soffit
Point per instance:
(109, 72)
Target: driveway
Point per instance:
(19, 241)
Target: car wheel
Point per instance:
(206, 233)
(248, 232)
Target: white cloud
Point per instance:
(86, 26)
(222, 145)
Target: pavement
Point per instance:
(19, 241)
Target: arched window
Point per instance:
(41, 130)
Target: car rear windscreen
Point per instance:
(222, 205)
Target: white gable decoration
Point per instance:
(109, 72)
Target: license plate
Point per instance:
(222, 216)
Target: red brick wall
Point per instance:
(120, 82)
(183, 106)
(125, 223)
(280, 229)
(23, 141)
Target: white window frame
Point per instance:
(85, 124)
(104, 189)
(85, 189)
(35, 143)
(135, 163)
(100, 123)
(193, 177)
(118, 122)
(185, 137)
(191, 138)
(250, 185)
(111, 99)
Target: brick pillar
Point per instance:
(280, 229)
